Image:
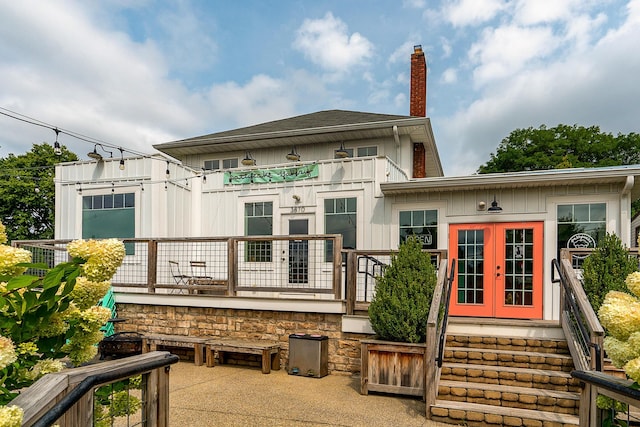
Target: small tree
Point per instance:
(400, 306)
(606, 269)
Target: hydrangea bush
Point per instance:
(49, 322)
(620, 316)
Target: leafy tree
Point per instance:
(400, 306)
(606, 269)
(561, 147)
(27, 192)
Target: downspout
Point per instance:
(396, 137)
(625, 211)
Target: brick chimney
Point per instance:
(418, 106)
(418, 98)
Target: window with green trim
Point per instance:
(109, 215)
(581, 225)
(340, 217)
(423, 224)
(258, 221)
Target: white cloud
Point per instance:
(504, 51)
(545, 11)
(461, 13)
(326, 42)
(261, 100)
(597, 88)
(414, 4)
(449, 76)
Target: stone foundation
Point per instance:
(344, 348)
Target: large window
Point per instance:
(340, 218)
(258, 221)
(422, 224)
(109, 215)
(581, 225)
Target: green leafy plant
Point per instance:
(47, 323)
(400, 306)
(606, 268)
(620, 315)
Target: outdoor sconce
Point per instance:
(97, 156)
(293, 155)
(494, 206)
(296, 198)
(341, 153)
(248, 160)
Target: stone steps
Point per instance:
(506, 381)
(510, 376)
(510, 396)
(477, 415)
(516, 359)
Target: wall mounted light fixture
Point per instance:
(494, 206)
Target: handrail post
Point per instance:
(351, 277)
(432, 370)
(152, 266)
(337, 266)
(232, 265)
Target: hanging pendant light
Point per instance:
(293, 155)
(248, 160)
(341, 152)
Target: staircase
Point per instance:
(497, 380)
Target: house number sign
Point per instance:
(297, 209)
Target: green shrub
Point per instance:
(606, 269)
(400, 306)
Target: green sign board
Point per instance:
(263, 176)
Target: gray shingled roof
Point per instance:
(305, 121)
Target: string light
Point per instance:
(56, 145)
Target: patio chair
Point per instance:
(199, 271)
(178, 277)
(199, 276)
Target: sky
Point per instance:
(134, 73)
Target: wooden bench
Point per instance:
(269, 350)
(150, 342)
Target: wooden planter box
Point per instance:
(392, 367)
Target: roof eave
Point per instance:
(518, 180)
(284, 137)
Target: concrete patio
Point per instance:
(243, 396)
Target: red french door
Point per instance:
(499, 270)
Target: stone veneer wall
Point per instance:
(344, 348)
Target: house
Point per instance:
(372, 178)
(268, 207)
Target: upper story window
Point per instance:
(367, 151)
(349, 152)
(215, 164)
(212, 165)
